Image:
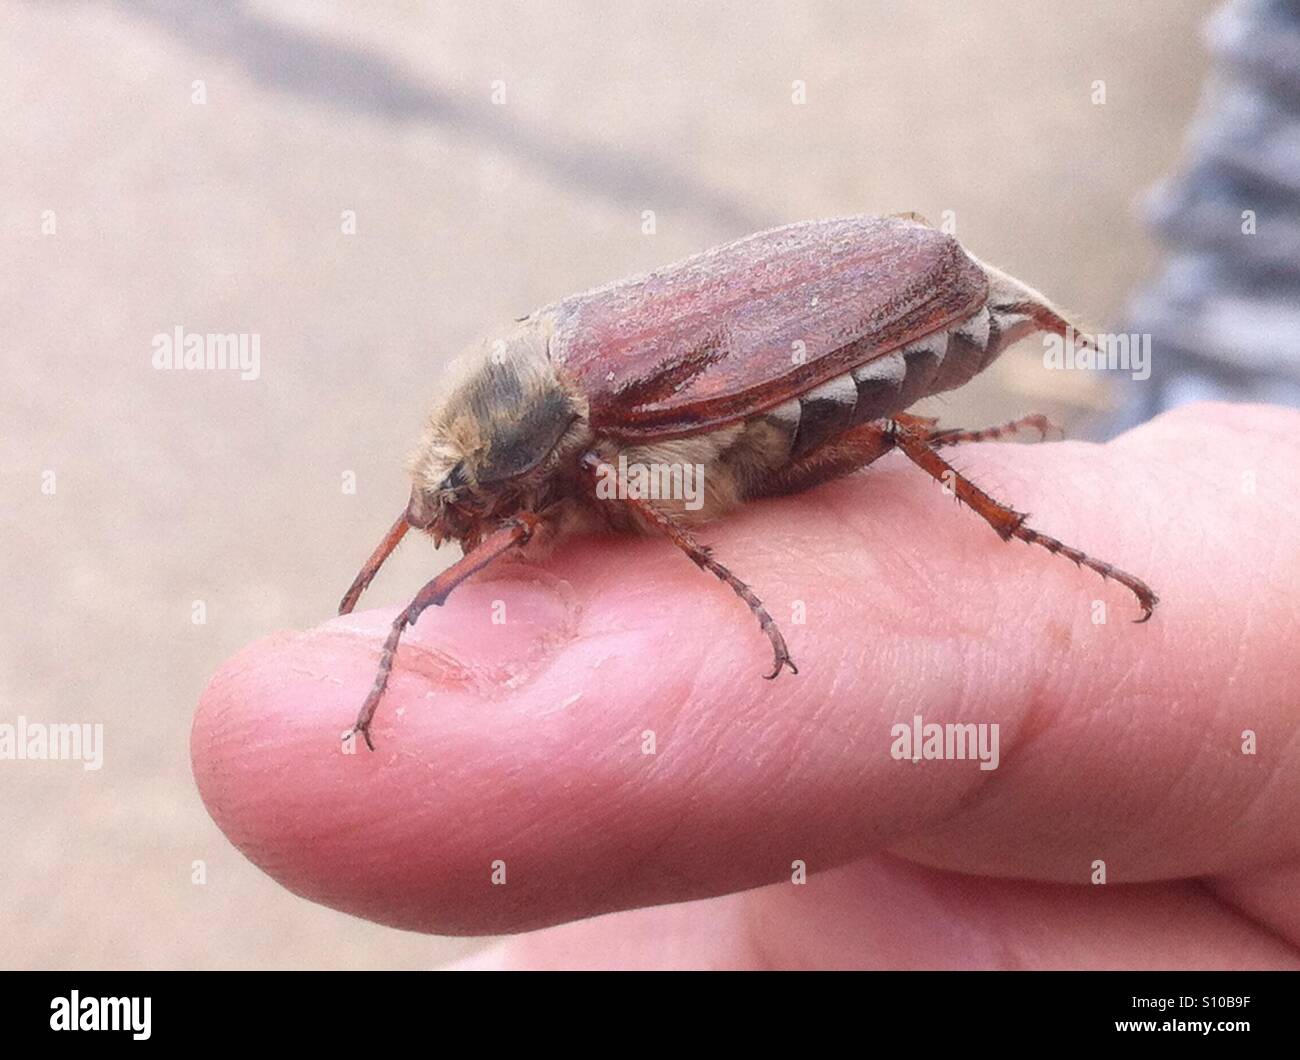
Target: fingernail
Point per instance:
(498, 628)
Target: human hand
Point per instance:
(523, 743)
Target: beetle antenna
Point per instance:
(371, 567)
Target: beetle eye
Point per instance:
(455, 479)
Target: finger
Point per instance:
(882, 912)
(609, 743)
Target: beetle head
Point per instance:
(489, 445)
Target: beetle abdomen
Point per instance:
(940, 361)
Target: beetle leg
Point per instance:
(854, 449)
(514, 533)
(956, 436)
(701, 557)
(1006, 521)
(912, 215)
(863, 445)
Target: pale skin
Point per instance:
(523, 743)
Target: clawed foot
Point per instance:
(781, 659)
(364, 729)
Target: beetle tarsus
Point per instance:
(367, 713)
(351, 734)
(782, 661)
(956, 436)
(1006, 521)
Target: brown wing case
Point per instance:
(744, 327)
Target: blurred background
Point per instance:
(367, 187)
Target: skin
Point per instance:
(1119, 742)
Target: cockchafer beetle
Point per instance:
(773, 363)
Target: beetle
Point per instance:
(772, 363)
